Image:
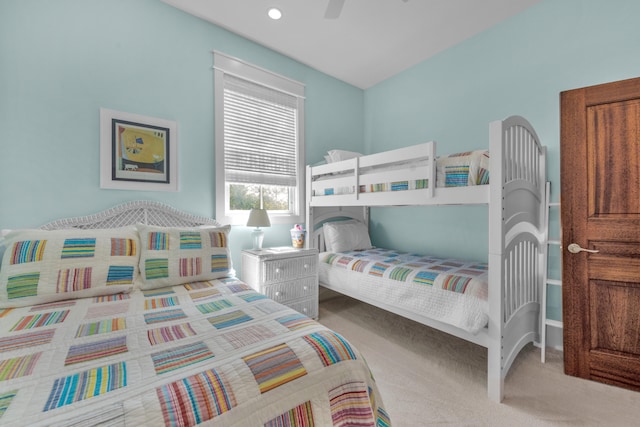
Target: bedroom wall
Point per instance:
(61, 61)
(518, 67)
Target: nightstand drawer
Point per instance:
(294, 289)
(278, 270)
(308, 308)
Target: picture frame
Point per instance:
(137, 152)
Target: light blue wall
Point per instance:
(518, 67)
(61, 61)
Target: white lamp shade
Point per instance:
(258, 218)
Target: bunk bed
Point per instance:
(511, 183)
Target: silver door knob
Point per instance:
(575, 248)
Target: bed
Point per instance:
(131, 317)
(494, 304)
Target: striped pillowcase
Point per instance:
(174, 256)
(40, 266)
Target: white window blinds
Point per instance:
(260, 133)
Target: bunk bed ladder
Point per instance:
(544, 321)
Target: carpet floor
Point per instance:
(429, 378)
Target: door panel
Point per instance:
(614, 187)
(600, 197)
(615, 331)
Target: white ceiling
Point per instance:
(369, 42)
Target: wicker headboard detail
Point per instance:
(137, 212)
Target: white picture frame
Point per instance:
(137, 152)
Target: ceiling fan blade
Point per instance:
(334, 8)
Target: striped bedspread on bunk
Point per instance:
(453, 275)
(456, 170)
(212, 352)
(416, 184)
(449, 291)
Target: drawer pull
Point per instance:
(278, 293)
(304, 309)
(306, 266)
(306, 288)
(278, 270)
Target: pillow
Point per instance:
(338, 155)
(463, 169)
(173, 256)
(342, 236)
(40, 266)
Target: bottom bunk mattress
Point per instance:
(448, 290)
(212, 353)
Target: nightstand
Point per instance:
(284, 274)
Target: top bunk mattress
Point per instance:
(456, 170)
(451, 291)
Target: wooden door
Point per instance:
(600, 198)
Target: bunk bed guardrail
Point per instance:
(343, 180)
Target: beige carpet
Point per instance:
(430, 378)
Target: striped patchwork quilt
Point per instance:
(210, 353)
(449, 290)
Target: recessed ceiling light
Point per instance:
(274, 13)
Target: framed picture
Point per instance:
(137, 152)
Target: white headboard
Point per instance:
(136, 212)
(316, 216)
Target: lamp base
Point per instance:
(258, 236)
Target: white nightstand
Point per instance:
(286, 275)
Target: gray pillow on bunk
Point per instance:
(343, 236)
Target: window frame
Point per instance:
(225, 64)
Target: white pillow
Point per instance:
(342, 236)
(338, 155)
(176, 255)
(40, 266)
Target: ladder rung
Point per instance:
(554, 282)
(554, 323)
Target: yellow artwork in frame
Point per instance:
(137, 152)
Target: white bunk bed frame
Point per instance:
(516, 201)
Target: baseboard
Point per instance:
(554, 338)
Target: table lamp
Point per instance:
(258, 218)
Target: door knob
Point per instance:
(574, 248)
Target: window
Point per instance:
(259, 119)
